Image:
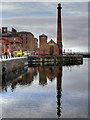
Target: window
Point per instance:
(14, 38)
(14, 44)
(4, 30)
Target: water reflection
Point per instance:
(52, 72)
(22, 79)
(45, 72)
(59, 89)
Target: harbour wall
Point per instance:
(14, 64)
(54, 59)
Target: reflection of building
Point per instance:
(42, 76)
(52, 72)
(23, 79)
(49, 72)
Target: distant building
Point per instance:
(50, 48)
(14, 41)
(9, 40)
(29, 43)
(42, 40)
(35, 44)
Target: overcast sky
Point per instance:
(41, 17)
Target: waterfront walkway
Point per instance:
(4, 58)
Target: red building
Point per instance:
(42, 40)
(35, 46)
(50, 48)
(10, 41)
(15, 41)
(29, 43)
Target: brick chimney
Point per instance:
(59, 29)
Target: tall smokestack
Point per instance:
(59, 29)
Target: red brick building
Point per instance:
(35, 44)
(50, 48)
(29, 43)
(15, 41)
(42, 40)
(9, 40)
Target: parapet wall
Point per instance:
(15, 64)
(55, 59)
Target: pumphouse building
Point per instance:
(52, 48)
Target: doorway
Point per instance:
(51, 50)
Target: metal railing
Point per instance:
(8, 57)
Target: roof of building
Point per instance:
(51, 42)
(25, 32)
(43, 35)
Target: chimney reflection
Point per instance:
(59, 89)
(51, 72)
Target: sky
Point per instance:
(41, 17)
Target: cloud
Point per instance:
(74, 29)
(42, 18)
(10, 9)
(45, 1)
(75, 32)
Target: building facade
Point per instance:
(50, 48)
(29, 43)
(9, 40)
(16, 41)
